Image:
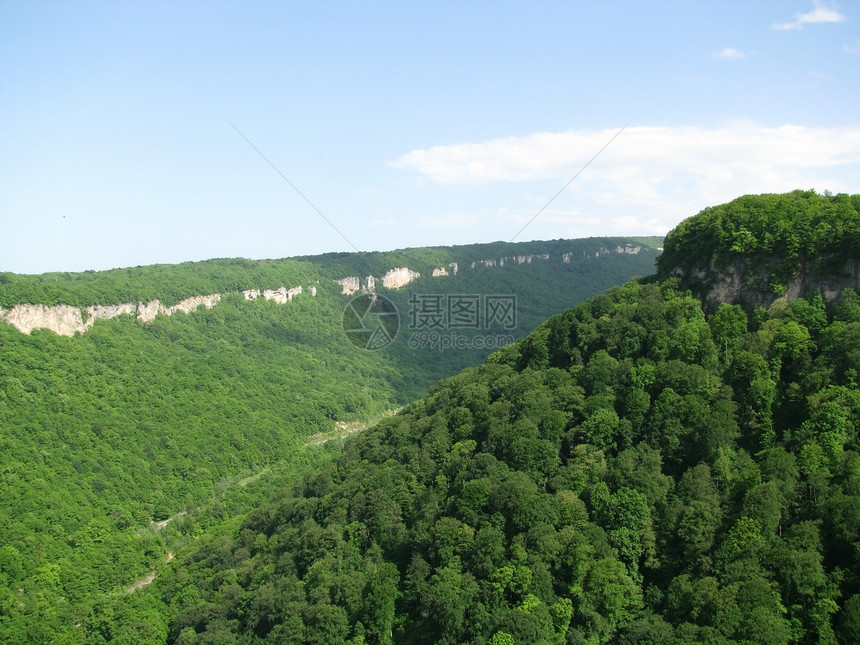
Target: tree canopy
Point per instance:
(627, 481)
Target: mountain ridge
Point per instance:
(637, 470)
(66, 319)
(117, 429)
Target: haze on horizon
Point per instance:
(404, 124)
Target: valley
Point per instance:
(672, 459)
(186, 410)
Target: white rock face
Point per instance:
(278, 295)
(627, 249)
(147, 312)
(67, 320)
(190, 304)
(99, 312)
(282, 295)
(486, 263)
(440, 272)
(455, 268)
(519, 259)
(313, 291)
(348, 285)
(399, 277)
(62, 319)
(370, 281)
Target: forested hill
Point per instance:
(120, 442)
(171, 283)
(637, 470)
(759, 248)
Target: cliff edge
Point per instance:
(759, 248)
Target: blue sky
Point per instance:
(404, 123)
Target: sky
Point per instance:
(137, 133)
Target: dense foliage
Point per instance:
(632, 472)
(118, 445)
(782, 233)
(172, 283)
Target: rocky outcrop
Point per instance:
(760, 285)
(147, 312)
(68, 321)
(519, 259)
(524, 259)
(349, 285)
(190, 304)
(107, 312)
(282, 295)
(399, 278)
(440, 271)
(394, 279)
(627, 249)
(63, 319)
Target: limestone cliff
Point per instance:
(759, 282)
(399, 278)
(757, 249)
(349, 285)
(68, 321)
(282, 295)
(62, 319)
(394, 279)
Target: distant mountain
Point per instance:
(142, 407)
(645, 467)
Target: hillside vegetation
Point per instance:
(171, 283)
(632, 472)
(120, 444)
(758, 248)
(636, 470)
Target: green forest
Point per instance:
(632, 472)
(641, 468)
(637, 470)
(769, 239)
(131, 441)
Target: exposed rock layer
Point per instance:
(68, 321)
(754, 285)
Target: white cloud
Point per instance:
(818, 15)
(729, 53)
(651, 175)
(734, 150)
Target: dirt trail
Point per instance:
(344, 429)
(157, 526)
(140, 584)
